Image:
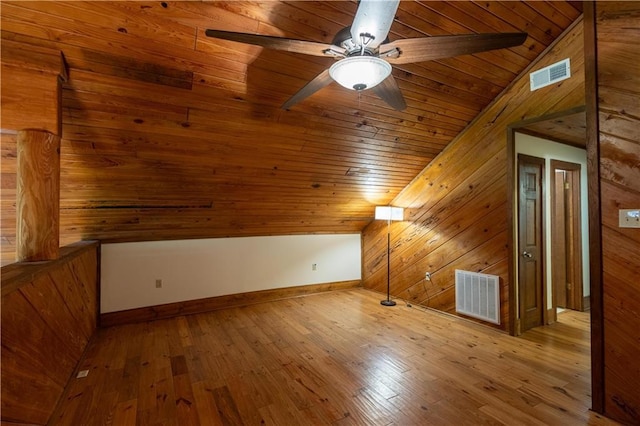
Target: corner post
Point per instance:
(37, 196)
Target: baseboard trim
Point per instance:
(586, 303)
(169, 310)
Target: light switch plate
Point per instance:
(629, 218)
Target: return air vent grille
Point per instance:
(478, 295)
(549, 75)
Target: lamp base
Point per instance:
(388, 302)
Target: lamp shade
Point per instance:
(360, 72)
(389, 213)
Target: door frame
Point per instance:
(596, 305)
(577, 301)
(514, 314)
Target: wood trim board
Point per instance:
(16, 274)
(169, 310)
(593, 183)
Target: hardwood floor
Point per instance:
(333, 358)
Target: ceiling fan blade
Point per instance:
(320, 81)
(439, 47)
(373, 17)
(389, 92)
(277, 43)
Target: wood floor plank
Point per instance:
(336, 358)
(125, 413)
(186, 410)
(206, 403)
(227, 408)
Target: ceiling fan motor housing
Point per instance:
(354, 48)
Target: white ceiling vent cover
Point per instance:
(551, 74)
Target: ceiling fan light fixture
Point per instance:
(360, 72)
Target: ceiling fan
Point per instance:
(364, 53)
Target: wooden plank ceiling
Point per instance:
(170, 134)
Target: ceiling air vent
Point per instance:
(549, 75)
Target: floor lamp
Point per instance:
(389, 213)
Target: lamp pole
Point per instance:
(388, 301)
(389, 213)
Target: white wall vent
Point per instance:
(551, 74)
(478, 295)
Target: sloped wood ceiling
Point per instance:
(170, 134)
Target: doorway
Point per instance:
(557, 136)
(566, 238)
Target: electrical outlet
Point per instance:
(629, 218)
(82, 373)
(427, 276)
(314, 266)
(158, 283)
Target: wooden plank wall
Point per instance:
(618, 74)
(31, 88)
(49, 314)
(457, 206)
(169, 134)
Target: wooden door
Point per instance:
(530, 241)
(559, 239)
(566, 244)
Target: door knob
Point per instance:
(526, 254)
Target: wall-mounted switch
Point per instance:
(158, 283)
(82, 373)
(629, 218)
(427, 276)
(314, 266)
